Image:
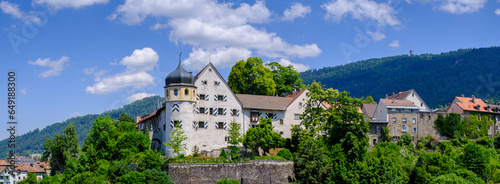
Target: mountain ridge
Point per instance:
(438, 78)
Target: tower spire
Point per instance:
(180, 53)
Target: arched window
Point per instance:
(176, 92)
(186, 92)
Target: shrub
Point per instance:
(182, 156)
(406, 139)
(223, 154)
(445, 148)
(227, 181)
(285, 153)
(497, 142)
(252, 156)
(196, 151)
(456, 142)
(485, 141)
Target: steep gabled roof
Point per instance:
(4, 163)
(29, 168)
(369, 109)
(219, 75)
(401, 95)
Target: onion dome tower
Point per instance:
(180, 101)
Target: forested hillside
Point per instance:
(438, 78)
(34, 140)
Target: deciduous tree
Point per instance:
(251, 77)
(263, 136)
(286, 78)
(176, 138)
(235, 138)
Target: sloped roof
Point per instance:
(29, 168)
(264, 102)
(467, 104)
(2, 168)
(4, 163)
(401, 95)
(147, 116)
(397, 103)
(369, 109)
(492, 107)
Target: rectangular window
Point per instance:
(220, 125)
(414, 120)
(220, 111)
(403, 128)
(216, 83)
(202, 110)
(254, 116)
(296, 117)
(281, 121)
(414, 130)
(300, 104)
(394, 119)
(235, 112)
(394, 129)
(226, 139)
(211, 111)
(204, 82)
(203, 97)
(404, 120)
(201, 124)
(164, 127)
(220, 97)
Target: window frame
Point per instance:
(220, 125)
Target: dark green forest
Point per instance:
(437, 78)
(34, 140)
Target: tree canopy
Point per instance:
(251, 77)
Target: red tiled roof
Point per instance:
(29, 168)
(2, 168)
(468, 105)
(4, 163)
(267, 102)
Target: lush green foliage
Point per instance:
(385, 135)
(223, 154)
(176, 138)
(449, 125)
(406, 139)
(235, 138)
(35, 139)
(285, 153)
(31, 179)
(227, 181)
(386, 75)
(263, 136)
(286, 78)
(63, 148)
(251, 77)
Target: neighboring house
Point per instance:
(5, 177)
(412, 96)
(466, 106)
(404, 112)
(496, 111)
(23, 170)
(203, 106)
(41, 169)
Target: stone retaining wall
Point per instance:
(245, 172)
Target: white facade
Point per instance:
(205, 108)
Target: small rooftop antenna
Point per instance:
(411, 51)
(180, 53)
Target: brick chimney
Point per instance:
(473, 99)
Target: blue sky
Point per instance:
(87, 56)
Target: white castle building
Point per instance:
(203, 106)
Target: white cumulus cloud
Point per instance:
(55, 67)
(497, 11)
(139, 96)
(297, 66)
(23, 91)
(382, 13)
(462, 6)
(136, 75)
(214, 27)
(60, 4)
(220, 57)
(376, 36)
(297, 10)
(14, 11)
(394, 44)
